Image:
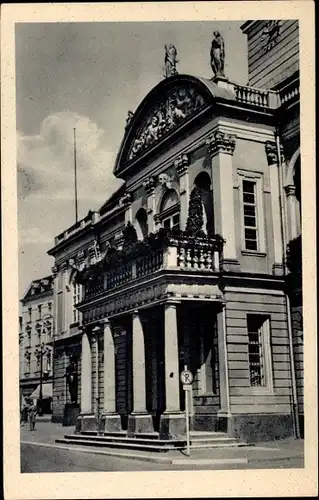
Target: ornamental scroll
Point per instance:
(178, 105)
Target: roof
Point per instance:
(38, 287)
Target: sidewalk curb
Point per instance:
(164, 460)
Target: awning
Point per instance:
(46, 392)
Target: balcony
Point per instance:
(257, 97)
(159, 252)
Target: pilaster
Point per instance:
(221, 148)
(181, 166)
(272, 159)
(149, 186)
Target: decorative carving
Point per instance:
(217, 55)
(221, 142)
(271, 152)
(181, 164)
(271, 34)
(54, 271)
(165, 180)
(167, 115)
(149, 185)
(130, 115)
(126, 199)
(170, 60)
(195, 220)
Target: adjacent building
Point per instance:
(185, 265)
(35, 342)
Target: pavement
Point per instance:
(276, 454)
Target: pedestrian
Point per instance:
(32, 412)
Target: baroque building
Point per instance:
(35, 342)
(185, 265)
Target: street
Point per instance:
(36, 458)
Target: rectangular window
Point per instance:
(30, 314)
(251, 206)
(76, 299)
(50, 307)
(250, 215)
(172, 221)
(260, 371)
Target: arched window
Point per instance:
(170, 210)
(203, 183)
(141, 225)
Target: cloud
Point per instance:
(46, 160)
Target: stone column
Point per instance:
(181, 165)
(95, 360)
(149, 186)
(291, 212)
(221, 148)
(86, 376)
(224, 411)
(139, 420)
(271, 152)
(110, 419)
(173, 420)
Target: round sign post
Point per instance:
(187, 380)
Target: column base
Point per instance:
(139, 423)
(277, 269)
(172, 425)
(70, 414)
(110, 422)
(86, 422)
(223, 421)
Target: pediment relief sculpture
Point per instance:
(178, 105)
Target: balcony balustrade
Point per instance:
(179, 254)
(255, 96)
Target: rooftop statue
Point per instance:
(170, 60)
(217, 54)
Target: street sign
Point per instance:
(186, 377)
(187, 380)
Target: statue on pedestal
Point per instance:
(170, 60)
(71, 376)
(217, 54)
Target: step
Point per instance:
(121, 445)
(138, 439)
(125, 439)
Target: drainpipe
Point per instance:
(284, 240)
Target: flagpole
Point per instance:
(75, 180)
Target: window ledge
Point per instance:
(254, 253)
(261, 391)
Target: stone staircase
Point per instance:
(150, 441)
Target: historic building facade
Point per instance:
(186, 264)
(35, 341)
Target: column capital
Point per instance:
(272, 154)
(181, 164)
(290, 190)
(173, 303)
(149, 185)
(221, 142)
(126, 199)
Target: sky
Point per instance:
(87, 76)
